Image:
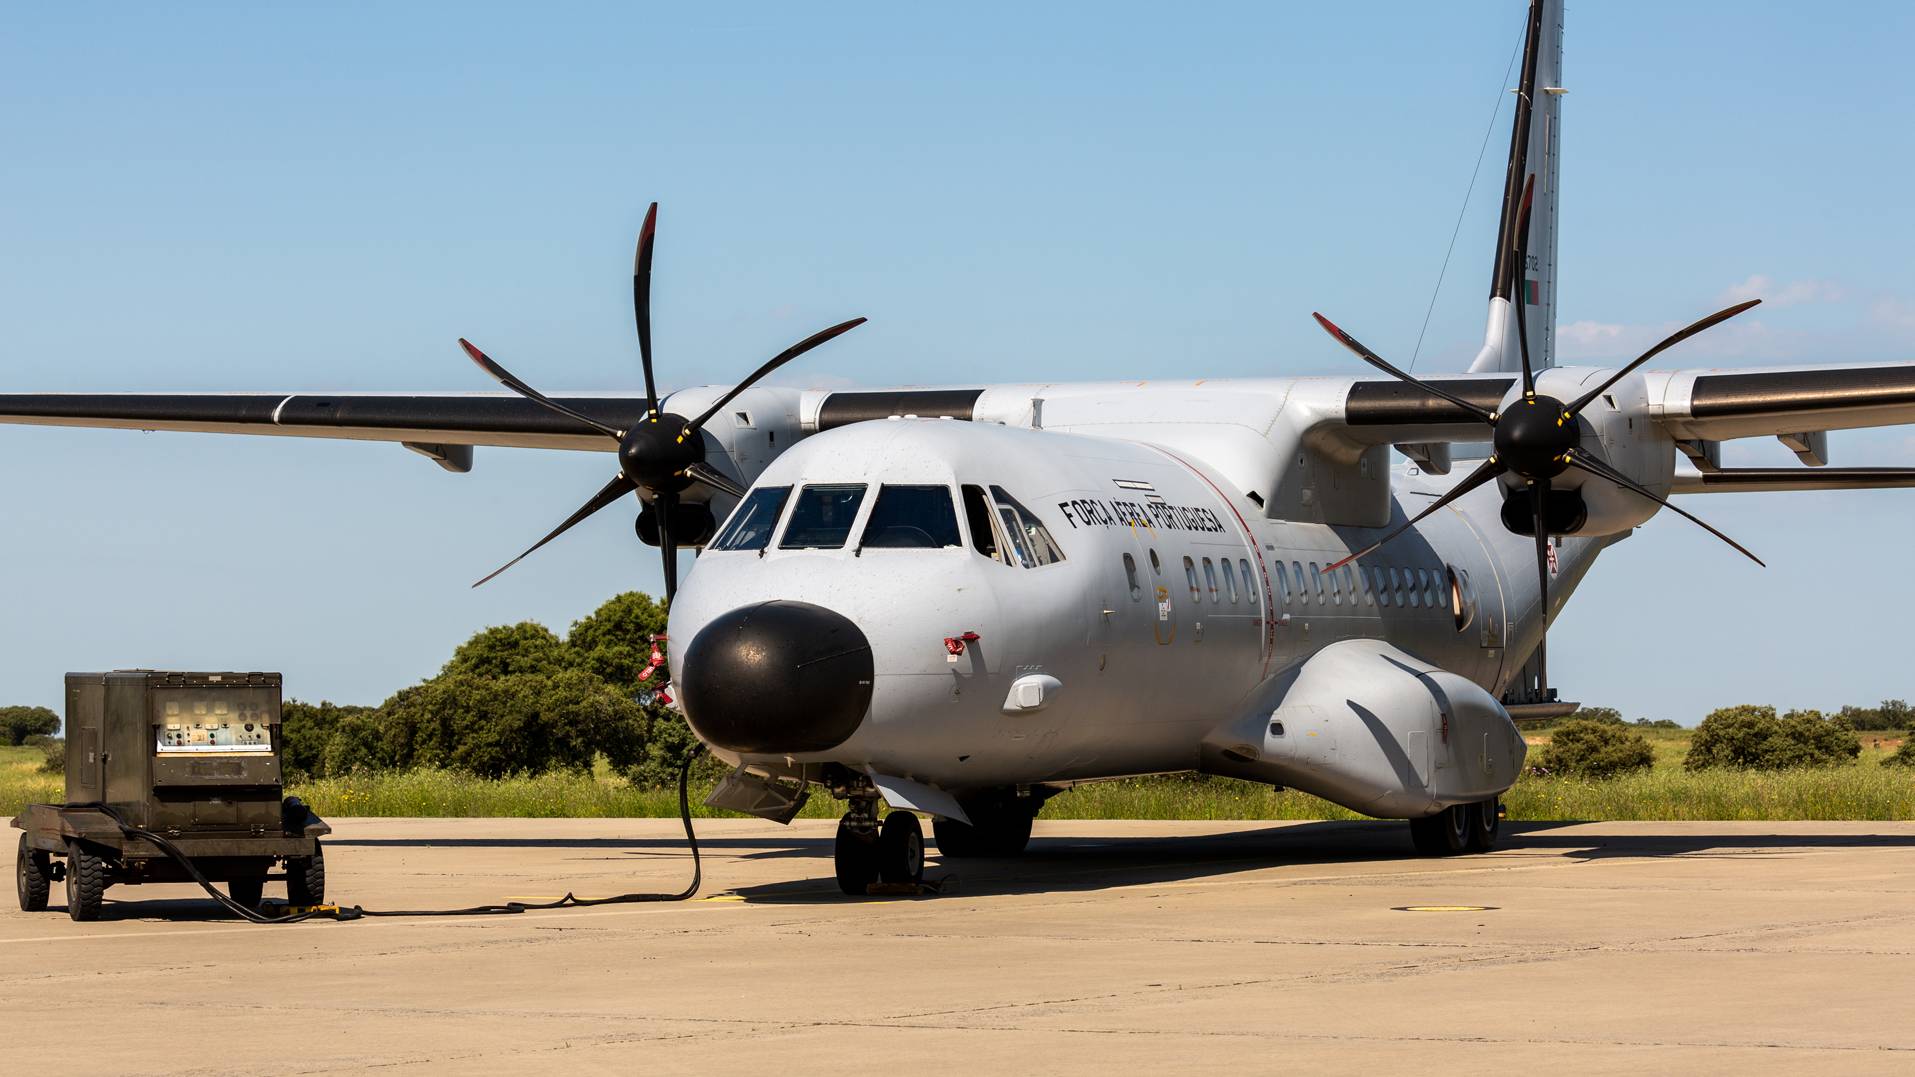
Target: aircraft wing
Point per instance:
(423, 421)
(1717, 405)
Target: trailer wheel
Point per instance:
(85, 882)
(306, 878)
(31, 868)
(247, 891)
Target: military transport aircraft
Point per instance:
(962, 600)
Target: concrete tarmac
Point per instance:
(1113, 946)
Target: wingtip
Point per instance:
(471, 351)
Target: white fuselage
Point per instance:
(1178, 606)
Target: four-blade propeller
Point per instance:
(664, 453)
(1537, 437)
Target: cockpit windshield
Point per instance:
(751, 525)
(912, 518)
(822, 518)
(1005, 531)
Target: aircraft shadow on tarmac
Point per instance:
(1081, 863)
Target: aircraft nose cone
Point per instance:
(777, 677)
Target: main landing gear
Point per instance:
(1460, 828)
(868, 853)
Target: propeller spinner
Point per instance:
(663, 454)
(1536, 438)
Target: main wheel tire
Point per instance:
(901, 849)
(31, 876)
(1444, 834)
(1486, 825)
(306, 878)
(247, 891)
(1000, 826)
(854, 857)
(85, 883)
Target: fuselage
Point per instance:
(1113, 601)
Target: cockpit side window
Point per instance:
(753, 521)
(977, 513)
(1029, 537)
(822, 518)
(911, 518)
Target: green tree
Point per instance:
(1606, 715)
(1754, 738)
(19, 723)
(306, 729)
(526, 647)
(525, 723)
(615, 640)
(1588, 748)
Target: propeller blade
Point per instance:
(1489, 469)
(613, 490)
(777, 361)
(1538, 498)
(663, 505)
(1669, 341)
(504, 377)
(1378, 362)
(715, 479)
(1522, 283)
(642, 302)
(1602, 470)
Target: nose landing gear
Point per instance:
(867, 854)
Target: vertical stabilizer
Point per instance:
(1534, 149)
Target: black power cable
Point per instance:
(355, 912)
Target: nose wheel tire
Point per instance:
(1486, 825)
(854, 856)
(1446, 833)
(31, 875)
(901, 849)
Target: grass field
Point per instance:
(1864, 791)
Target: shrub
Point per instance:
(1904, 756)
(304, 732)
(1892, 714)
(1605, 715)
(1753, 738)
(55, 762)
(19, 723)
(1593, 748)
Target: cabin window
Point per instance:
(912, 518)
(977, 514)
(1462, 602)
(822, 518)
(752, 523)
(1336, 589)
(1210, 580)
(1283, 582)
(1351, 584)
(1429, 587)
(1380, 584)
(1316, 581)
(1156, 566)
(1130, 577)
(1032, 540)
(1303, 586)
(1230, 580)
(1250, 582)
(1190, 575)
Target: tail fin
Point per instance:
(1534, 148)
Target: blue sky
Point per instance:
(230, 197)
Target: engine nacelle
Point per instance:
(1617, 428)
(1367, 726)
